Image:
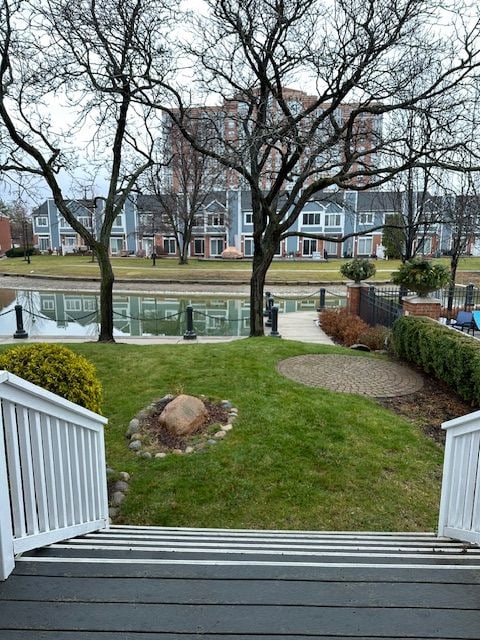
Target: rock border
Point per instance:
(148, 452)
(116, 491)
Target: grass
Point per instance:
(298, 457)
(205, 270)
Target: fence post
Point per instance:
(321, 303)
(20, 333)
(274, 332)
(267, 303)
(372, 305)
(469, 296)
(270, 303)
(189, 333)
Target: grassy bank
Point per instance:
(168, 269)
(298, 457)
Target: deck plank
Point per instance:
(247, 620)
(240, 592)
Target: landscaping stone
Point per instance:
(123, 475)
(117, 498)
(183, 415)
(112, 512)
(133, 426)
(360, 347)
(120, 485)
(176, 444)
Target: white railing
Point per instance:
(52, 469)
(460, 500)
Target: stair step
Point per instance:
(162, 545)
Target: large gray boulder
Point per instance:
(183, 415)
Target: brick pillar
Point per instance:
(416, 306)
(353, 299)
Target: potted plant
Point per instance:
(421, 276)
(358, 269)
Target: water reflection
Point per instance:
(59, 313)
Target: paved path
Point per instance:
(364, 376)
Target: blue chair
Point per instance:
(464, 320)
(476, 320)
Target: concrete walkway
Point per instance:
(302, 326)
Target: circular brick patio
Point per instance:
(365, 376)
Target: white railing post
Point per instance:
(459, 515)
(52, 469)
(7, 558)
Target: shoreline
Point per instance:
(60, 283)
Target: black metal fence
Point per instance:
(380, 306)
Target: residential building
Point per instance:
(222, 129)
(53, 233)
(225, 219)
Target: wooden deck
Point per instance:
(139, 584)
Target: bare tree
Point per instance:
(182, 187)
(366, 61)
(92, 59)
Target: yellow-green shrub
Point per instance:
(56, 369)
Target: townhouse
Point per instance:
(225, 220)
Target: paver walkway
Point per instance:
(364, 376)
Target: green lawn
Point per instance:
(298, 457)
(202, 270)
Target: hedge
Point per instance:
(446, 353)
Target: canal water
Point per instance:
(75, 314)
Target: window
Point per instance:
(330, 247)
(90, 304)
(42, 221)
(364, 246)
(312, 218)
(199, 246)
(248, 217)
(116, 245)
(332, 220)
(118, 222)
(169, 245)
(248, 247)
(48, 305)
(216, 219)
(74, 304)
(86, 221)
(216, 246)
(308, 246)
(62, 222)
(43, 243)
(365, 218)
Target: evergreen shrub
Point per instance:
(358, 269)
(57, 369)
(445, 353)
(421, 276)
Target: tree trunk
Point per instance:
(257, 284)
(106, 295)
